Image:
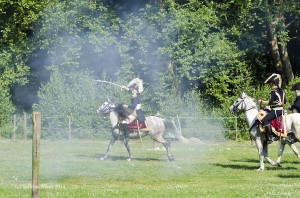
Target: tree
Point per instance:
(74, 95)
(17, 21)
(199, 53)
(276, 13)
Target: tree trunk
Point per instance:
(275, 49)
(280, 57)
(286, 63)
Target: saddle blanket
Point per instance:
(134, 125)
(277, 127)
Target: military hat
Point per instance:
(275, 78)
(296, 87)
(137, 84)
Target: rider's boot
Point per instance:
(269, 136)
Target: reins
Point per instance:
(243, 102)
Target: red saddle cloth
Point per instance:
(276, 125)
(133, 125)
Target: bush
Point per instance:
(74, 96)
(6, 110)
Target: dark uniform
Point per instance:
(136, 102)
(295, 107)
(276, 102)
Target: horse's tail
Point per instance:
(172, 128)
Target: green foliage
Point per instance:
(17, 17)
(72, 96)
(193, 116)
(216, 49)
(75, 33)
(6, 111)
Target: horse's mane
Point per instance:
(121, 111)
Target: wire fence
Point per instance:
(212, 128)
(207, 128)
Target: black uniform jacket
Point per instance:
(296, 104)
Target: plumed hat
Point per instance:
(296, 87)
(136, 83)
(276, 79)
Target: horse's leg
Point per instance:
(126, 140)
(167, 144)
(295, 150)
(259, 147)
(110, 145)
(265, 151)
(280, 151)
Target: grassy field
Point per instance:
(73, 169)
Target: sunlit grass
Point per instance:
(73, 169)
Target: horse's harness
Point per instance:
(242, 102)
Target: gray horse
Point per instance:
(155, 128)
(247, 104)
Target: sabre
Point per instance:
(104, 81)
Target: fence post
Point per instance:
(178, 120)
(36, 135)
(15, 127)
(70, 125)
(25, 126)
(236, 131)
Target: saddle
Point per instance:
(135, 125)
(278, 127)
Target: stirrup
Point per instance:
(270, 141)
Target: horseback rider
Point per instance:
(276, 101)
(135, 86)
(296, 106)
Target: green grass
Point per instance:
(73, 169)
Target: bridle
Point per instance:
(242, 102)
(106, 108)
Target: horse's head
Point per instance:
(106, 107)
(243, 103)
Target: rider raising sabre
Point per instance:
(276, 101)
(135, 86)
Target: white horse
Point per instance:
(155, 128)
(248, 105)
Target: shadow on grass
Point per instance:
(256, 161)
(246, 160)
(236, 166)
(120, 158)
(250, 167)
(285, 176)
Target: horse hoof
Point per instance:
(171, 159)
(260, 169)
(278, 164)
(130, 159)
(103, 158)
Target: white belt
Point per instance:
(138, 106)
